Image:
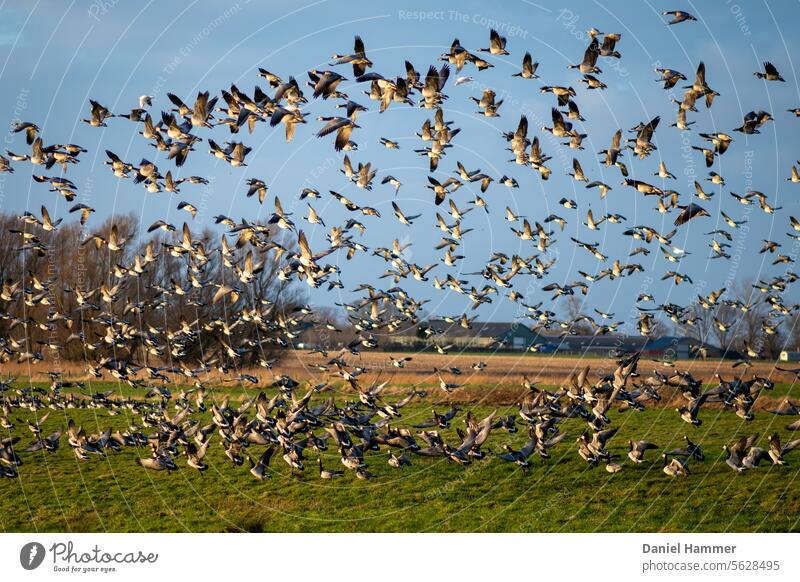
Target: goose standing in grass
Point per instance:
(398, 462)
(327, 474)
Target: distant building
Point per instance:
(519, 337)
(481, 335)
(604, 345)
(790, 356)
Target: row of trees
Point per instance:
(48, 312)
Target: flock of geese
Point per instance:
(297, 423)
(300, 424)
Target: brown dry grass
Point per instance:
(501, 369)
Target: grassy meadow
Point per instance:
(56, 492)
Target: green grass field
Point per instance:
(56, 492)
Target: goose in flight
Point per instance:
(406, 220)
(689, 212)
(678, 16)
(520, 457)
(669, 77)
(358, 58)
(608, 49)
(741, 450)
(753, 121)
(85, 211)
(497, 44)
(195, 454)
(99, 114)
(770, 73)
(259, 469)
(637, 449)
(675, 467)
(290, 118)
(691, 450)
(5, 165)
(343, 126)
(689, 413)
(325, 83)
(563, 94)
(776, 452)
(528, 68)
(31, 130)
(589, 62)
(434, 84)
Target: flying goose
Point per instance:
(258, 469)
(753, 121)
(609, 43)
(31, 130)
(675, 467)
(49, 443)
(563, 94)
(99, 114)
(691, 450)
(195, 454)
(689, 212)
(589, 62)
(434, 83)
(520, 457)
(669, 77)
(497, 44)
(678, 16)
(325, 83)
(290, 118)
(776, 451)
(770, 73)
(5, 165)
(736, 453)
(528, 68)
(637, 449)
(358, 58)
(343, 126)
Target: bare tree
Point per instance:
(78, 290)
(575, 314)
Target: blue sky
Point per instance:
(55, 56)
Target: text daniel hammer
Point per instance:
(687, 549)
